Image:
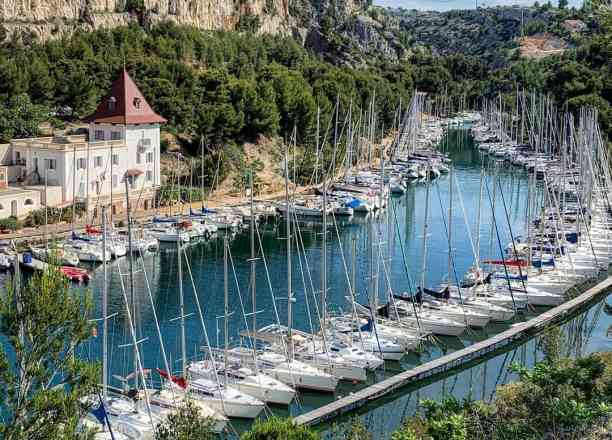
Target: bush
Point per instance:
(553, 398)
(54, 215)
(279, 429)
(10, 223)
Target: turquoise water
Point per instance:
(206, 263)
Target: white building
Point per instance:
(124, 134)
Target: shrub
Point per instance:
(279, 429)
(10, 223)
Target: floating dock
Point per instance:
(456, 359)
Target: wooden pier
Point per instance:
(456, 359)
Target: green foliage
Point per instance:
(41, 387)
(10, 223)
(19, 117)
(135, 6)
(53, 215)
(534, 27)
(242, 179)
(354, 429)
(185, 424)
(554, 398)
(279, 429)
(215, 87)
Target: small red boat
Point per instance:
(75, 274)
(513, 263)
(91, 230)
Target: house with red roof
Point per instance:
(123, 140)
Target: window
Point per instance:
(112, 103)
(98, 187)
(29, 202)
(115, 180)
(17, 156)
(81, 163)
(145, 142)
(150, 157)
(51, 164)
(98, 161)
(138, 158)
(81, 189)
(99, 135)
(149, 176)
(115, 159)
(137, 103)
(115, 135)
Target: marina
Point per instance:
(444, 253)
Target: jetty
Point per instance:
(456, 359)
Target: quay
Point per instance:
(441, 365)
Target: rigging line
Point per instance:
(231, 259)
(406, 271)
(501, 250)
(302, 249)
(315, 358)
(452, 258)
(299, 254)
(512, 238)
(201, 316)
(346, 274)
(265, 263)
(251, 340)
(152, 303)
(465, 219)
(132, 331)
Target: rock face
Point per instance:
(350, 32)
(47, 19)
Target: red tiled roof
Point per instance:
(130, 106)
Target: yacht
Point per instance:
(243, 378)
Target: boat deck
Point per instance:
(455, 359)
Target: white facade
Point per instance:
(89, 170)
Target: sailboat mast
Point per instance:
(225, 306)
(104, 311)
(425, 228)
(288, 227)
(179, 247)
(131, 269)
(324, 260)
(479, 217)
(253, 262)
(450, 227)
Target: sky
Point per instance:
(445, 5)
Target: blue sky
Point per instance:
(444, 5)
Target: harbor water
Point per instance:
(383, 253)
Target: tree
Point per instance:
(185, 424)
(19, 117)
(563, 4)
(279, 429)
(42, 381)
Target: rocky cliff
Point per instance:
(46, 19)
(348, 32)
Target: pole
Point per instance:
(104, 311)
(225, 306)
(131, 268)
(253, 262)
(288, 227)
(450, 227)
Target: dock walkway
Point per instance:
(455, 359)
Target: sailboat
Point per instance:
(234, 368)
